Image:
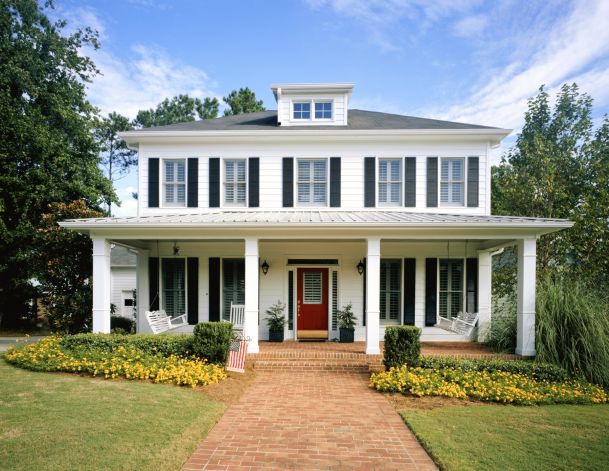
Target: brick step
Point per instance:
(313, 355)
(313, 365)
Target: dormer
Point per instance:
(312, 104)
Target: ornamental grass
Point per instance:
(493, 386)
(122, 362)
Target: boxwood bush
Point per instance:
(212, 341)
(122, 325)
(402, 346)
(164, 345)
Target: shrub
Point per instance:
(532, 369)
(49, 354)
(496, 386)
(346, 318)
(572, 327)
(212, 341)
(402, 346)
(502, 334)
(164, 344)
(275, 319)
(121, 324)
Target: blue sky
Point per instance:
(464, 60)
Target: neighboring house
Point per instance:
(390, 213)
(123, 280)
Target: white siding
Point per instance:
(122, 279)
(352, 154)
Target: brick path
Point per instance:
(310, 421)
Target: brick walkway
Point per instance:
(310, 421)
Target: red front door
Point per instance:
(312, 303)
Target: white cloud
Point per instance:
(470, 26)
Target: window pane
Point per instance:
(451, 288)
(457, 170)
(174, 286)
(233, 286)
(302, 110)
(383, 193)
(168, 171)
(181, 171)
(323, 110)
(181, 193)
(304, 192)
(444, 170)
(241, 193)
(319, 192)
(444, 192)
(230, 192)
(169, 197)
(241, 170)
(390, 291)
(230, 170)
(457, 193)
(304, 170)
(395, 193)
(395, 170)
(319, 170)
(383, 170)
(312, 289)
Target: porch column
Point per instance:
(250, 328)
(525, 337)
(485, 273)
(373, 287)
(101, 284)
(143, 290)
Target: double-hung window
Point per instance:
(451, 288)
(233, 284)
(312, 182)
(390, 182)
(173, 279)
(390, 292)
(174, 182)
(452, 181)
(302, 110)
(235, 182)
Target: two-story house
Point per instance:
(317, 205)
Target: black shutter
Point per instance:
(253, 183)
(193, 290)
(369, 182)
(431, 285)
(153, 183)
(410, 182)
(432, 182)
(335, 182)
(410, 265)
(471, 285)
(214, 289)
(288, 182)
(214, 182)
(153, 283)
(472, 182)
(193, 182)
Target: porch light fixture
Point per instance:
(265, 267)
(176, 250)
(360, 267)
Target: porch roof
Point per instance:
(315, 218)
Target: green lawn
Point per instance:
(561, 437)
(64, 422)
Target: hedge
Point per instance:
(164, 344)
(402, 346)
(212, 341)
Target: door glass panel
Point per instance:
(312, 293)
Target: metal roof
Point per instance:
(306, 218)
(358, 120)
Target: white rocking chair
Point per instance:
(160, 322)
(463, 324)
(237, 318)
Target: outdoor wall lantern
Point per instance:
(265, 267)
(360, 267)
(176, 249)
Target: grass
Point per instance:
(64, 422)
(558, 437)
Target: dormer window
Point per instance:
(302, 110)
(323, 110)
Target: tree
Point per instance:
(179, 109)
(242, 101)
(115, 155)
(65, 275)
(47, 149)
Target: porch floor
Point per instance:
(335, 356)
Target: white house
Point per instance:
(391, 213)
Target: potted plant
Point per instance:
(276, 321)
(346, 323)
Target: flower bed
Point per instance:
(485, 385)
(123, 361)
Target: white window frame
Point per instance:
(161, 286)
(312, 103)
(463, 284)
(312, 181)
(225, 183)
(175, 183)
(450, 182)
(399, 182)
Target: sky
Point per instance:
(471, 61)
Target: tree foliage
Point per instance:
(558, 169)
(179, 109)
(47, 149)
(65, 274)
(242, 101)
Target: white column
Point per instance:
(101, 284)
(525, 339)
(252, 272)
(373, 288)
(484, 294)
(143, 291)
